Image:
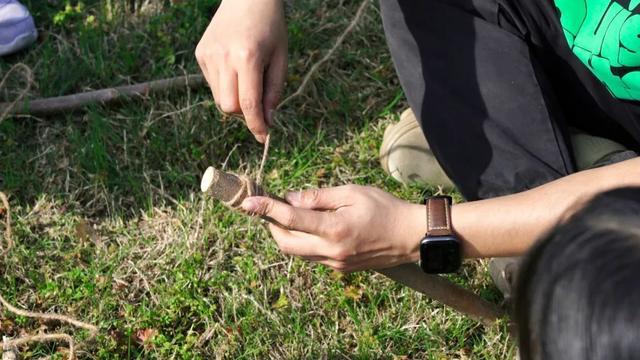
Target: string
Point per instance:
(265, 155)
(247, 189)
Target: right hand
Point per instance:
(243, 56)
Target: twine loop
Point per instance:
(247, 189)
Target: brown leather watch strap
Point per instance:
(439, 216)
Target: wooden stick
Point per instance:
(68, 103)
(442, 290)
(232, 189)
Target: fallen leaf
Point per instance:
(145, 336)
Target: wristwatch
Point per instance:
(440, 248)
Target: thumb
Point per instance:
(321, 199)
(287, 216)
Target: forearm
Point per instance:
(509, 225)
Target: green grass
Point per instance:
(110, 226)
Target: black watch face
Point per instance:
(440, 254)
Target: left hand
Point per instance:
(348, 228)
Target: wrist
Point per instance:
(413, 228)
(463, 218)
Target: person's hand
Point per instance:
(243, 56)
(348, 228)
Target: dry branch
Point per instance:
(232, 189)
(6, 108)
(49, 317)
(8, 236)
(68, 103)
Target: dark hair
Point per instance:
(578, 291)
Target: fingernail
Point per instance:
(261, 138)
(250, 205)
(270, 115)
(293, 197)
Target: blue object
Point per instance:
(17, 29)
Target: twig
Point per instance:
(9, 351)
(328, 55)
(7, 231)
(179, 111)
(68, 103)
(8, 107)
(93, 330)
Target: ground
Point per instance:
(110, 226)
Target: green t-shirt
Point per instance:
(605, 36)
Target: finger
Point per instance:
(274, 84)
(228, 91)
(214, 84)
(297, 243)
(321, 199)
(205, 73)
(211, 75)
(250, 96)
(309, 221)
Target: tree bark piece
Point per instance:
(68, 103)
(232, 189)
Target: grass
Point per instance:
(111, 229)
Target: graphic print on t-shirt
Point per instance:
(605, 36)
